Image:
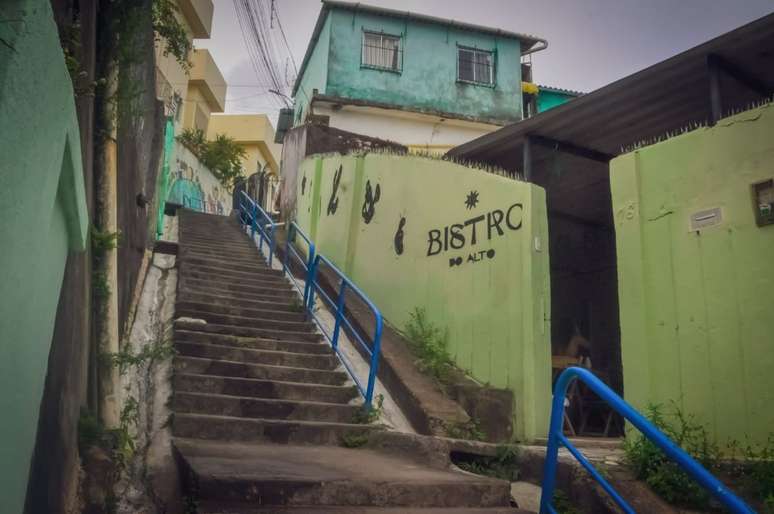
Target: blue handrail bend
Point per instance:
(556, 438)
(251, 213)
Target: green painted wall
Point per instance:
(696, 307)
(494, 308)
(548, 99)
(315, 74)
(428, 79)
(42, 217)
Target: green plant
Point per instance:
(430, 344)
(665, 477)
(150, 353)
(368, 413)
(104, 241)
(757, 471)
(296, 305)
(171, 32)
(470, 431)
(354, 440)
(504, 465)
(563, 504)
(222, 155)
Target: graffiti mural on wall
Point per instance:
(369, 205)
(194, 186)
(333, 202)
(398, 240)
(457, 236)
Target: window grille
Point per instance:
(382, 51)
(475, 66)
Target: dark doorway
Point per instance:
(584, 284)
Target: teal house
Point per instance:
(422, 81)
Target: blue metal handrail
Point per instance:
(306, 264)
(339, 309)
(251, 213)
(556, 437)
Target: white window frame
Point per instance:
(490, 82)
(398, 67)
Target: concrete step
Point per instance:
(200, 366)
(267, 281)
(249, 266)
(244, 252)
(192, 336)
(227, 428)
(291, 303)
(247, 256)
(219, 507)
(247, 292)
(270, 357)
(282, 335)
(257, 388)
(265, 408)
(301, 476)
(268, 313)
(244, 321)
(217, 269)
(237, 244)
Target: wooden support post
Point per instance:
(716, 100)
(527, 155)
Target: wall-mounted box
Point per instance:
(763, 202)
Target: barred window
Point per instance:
(475, 66)
(382, 51)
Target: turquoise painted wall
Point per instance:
(42, 217)
(428, 79)
(696, 306)
(548, 99)
(315, 75)
(491, 293)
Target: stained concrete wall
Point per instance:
(468, 246)
(192, 184)
(696, 311)
(43, 217)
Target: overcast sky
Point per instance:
(590, 42)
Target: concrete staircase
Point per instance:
(262, 405)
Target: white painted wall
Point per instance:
(408, 129)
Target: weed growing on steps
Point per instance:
(756, 470)
(354, 440)
(665, 477)
(504, 465)
(470, 431)
(369, 414)
(563, 504)
(430, 344)
(296, 305)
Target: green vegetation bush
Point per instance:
(223, 156)
(430, 344)
(665, 477)
(504, 465)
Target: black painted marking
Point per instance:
(398, 240)
(490, 253)
(471, 200)
(369, 204)
(455, 261)
(303, 185)
(333, 202)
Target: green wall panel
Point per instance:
(696, 306)
(493, 302)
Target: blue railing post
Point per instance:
(374, 368)
(253, 223)
(339, 314)
(308, 283)
(670, 449)
(310, 280)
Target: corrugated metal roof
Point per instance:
(664, 97)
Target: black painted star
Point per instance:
(471, 200)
